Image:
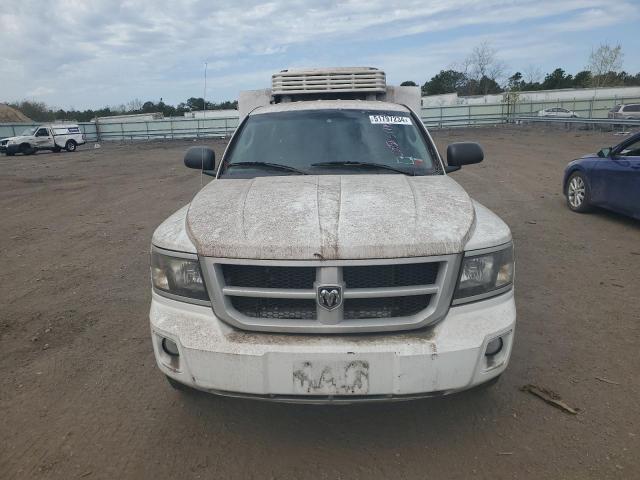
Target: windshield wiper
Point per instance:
(348, 163)
(269, 165)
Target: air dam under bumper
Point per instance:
(328, 368)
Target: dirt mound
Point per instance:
(9, 114)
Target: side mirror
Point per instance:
(200, 158)
(604, 152)
(463, 153)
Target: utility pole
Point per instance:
(204, 98)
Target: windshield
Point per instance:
(29, 131)
(615, 109)
(309, 140)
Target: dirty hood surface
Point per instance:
(330, 217)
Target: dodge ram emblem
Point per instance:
(330, 297)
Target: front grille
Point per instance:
(378, 276)
(374, 296)
(256, 276)
(278, 308)
(358, 308)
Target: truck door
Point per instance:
(43, 138)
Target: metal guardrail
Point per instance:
(480, 120)
(450, 121)
(167, 129)
(586, 121)
(593, 112)
(493, 113)
(222, 127)
(142, 130)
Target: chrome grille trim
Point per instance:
(386, 292)
(268, 292)
(330, 273)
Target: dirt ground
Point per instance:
(80, 395)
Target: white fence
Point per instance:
(488, 114)
(144, 130)
(433, 117)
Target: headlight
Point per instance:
(177, 276)
(485, 275)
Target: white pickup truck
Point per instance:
(52, 137)
(332, 258)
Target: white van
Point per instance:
(629, 111)
(54, 137)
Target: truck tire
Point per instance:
(26, 149)
(577, 193)
(70, 146)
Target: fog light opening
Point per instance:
(494, 347)
(170, 347)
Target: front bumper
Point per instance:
(442, 359)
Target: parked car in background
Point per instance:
(557, 112)
(608, 179)
(629, 111)
(52, 137)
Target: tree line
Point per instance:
(453, 81)
(482, 73)
(41, 112)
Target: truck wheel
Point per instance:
(176, 385)
(70, 146)
(27, 149)
(577, 193)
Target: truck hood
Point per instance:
(330, 217)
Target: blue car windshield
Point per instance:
(314, 141)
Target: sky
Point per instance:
(95, 53)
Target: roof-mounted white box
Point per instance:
(328, 80)
(337, 83)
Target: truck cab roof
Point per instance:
(331, 105)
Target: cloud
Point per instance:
(107, 51)
(40, 91)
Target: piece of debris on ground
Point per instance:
(606, 380)
(549, 396)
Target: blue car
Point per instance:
(609, 179)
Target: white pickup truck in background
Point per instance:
(332, 259)
(54, 137)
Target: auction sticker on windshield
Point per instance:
(390, 119)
